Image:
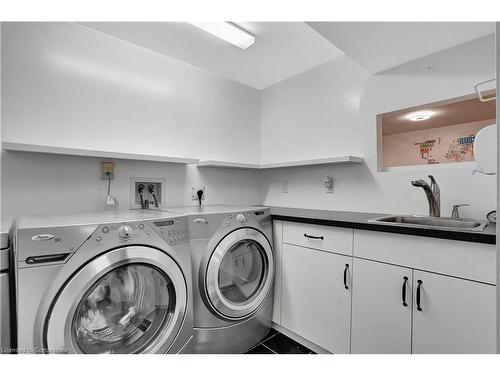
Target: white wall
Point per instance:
(331, 110)
(69, 85)
(76, 87)
(34, 184)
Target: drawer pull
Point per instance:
(403, 292)
(419, 282)
(314, 237)
(345, 276)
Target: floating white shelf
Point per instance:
(302, 163)
(226, 164)
(299, 163)
(26, 147)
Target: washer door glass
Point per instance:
(124, 311)
(242, 270)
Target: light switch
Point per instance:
(285, 187)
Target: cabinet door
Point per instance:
(453, 315)
(315, 302)
(381, 308)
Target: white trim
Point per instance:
(429, 167)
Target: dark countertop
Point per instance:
(359, 220)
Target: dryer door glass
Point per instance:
(124, 311)
(239, 274)
(241, 271)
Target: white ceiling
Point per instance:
(378, 46)
(281, 49)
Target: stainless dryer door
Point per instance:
(129, 300)
(239, 273)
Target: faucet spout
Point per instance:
(433, 195)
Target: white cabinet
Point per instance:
(450, 315)
(316, 296)
(453, 315)
(456, 294)
(381, 308)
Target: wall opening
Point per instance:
(432, 134)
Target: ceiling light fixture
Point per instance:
(229, 32)
(420, 116)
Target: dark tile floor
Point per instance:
(277, 343)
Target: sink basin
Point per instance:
(429, 222)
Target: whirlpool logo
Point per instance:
(44, 237)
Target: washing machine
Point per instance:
(116, 282)
(233, 269)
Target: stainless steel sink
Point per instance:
(430, 222)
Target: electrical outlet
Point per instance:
(195, 189)
(107, 170)
(328, 183)
(285, 187)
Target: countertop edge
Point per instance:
(489, 239)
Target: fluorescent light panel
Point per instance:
(229, 32)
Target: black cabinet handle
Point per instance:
(345, 276)
(419, 282)
(403, 292)
(314, 237)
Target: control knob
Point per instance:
(125, 232)
(240, 218)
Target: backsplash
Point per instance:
(34, 184)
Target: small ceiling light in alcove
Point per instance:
(420, 116)
(229, 32)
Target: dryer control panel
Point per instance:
(261, 217)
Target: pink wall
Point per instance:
(447, 144)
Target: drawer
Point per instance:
(468, 260)
(331, 239)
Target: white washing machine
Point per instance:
(233, 269)
(104, 283)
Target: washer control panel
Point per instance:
(123, 232)
(174, 231)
